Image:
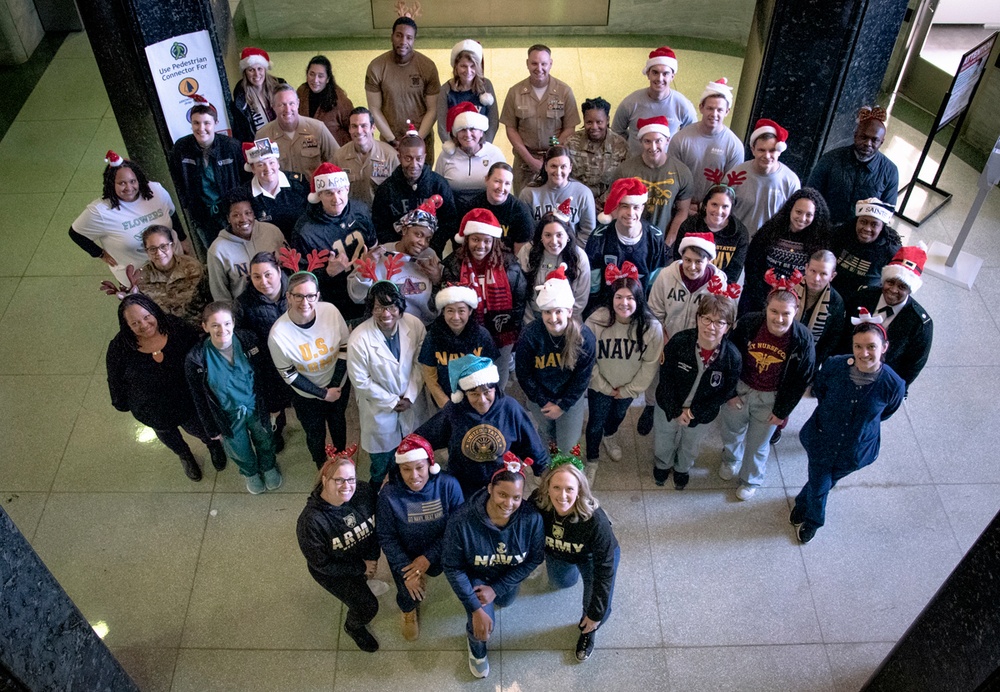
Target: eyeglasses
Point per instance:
(379, 309)
(344, 481)
(159, 249)
(709, 322)
(308, 297)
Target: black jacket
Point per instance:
(336, 541)
(258, 314)
(243, 129)
(213, 418)
(286, 207)
(226, 158)
(395, 197)
(860, 264)
(678, 371)
(910, 334)
(799, 367)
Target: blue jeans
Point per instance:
(811, 500)
(477, 647)
(606, 414)
(746, 434)
(564, 430)
(563, 575)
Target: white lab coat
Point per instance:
(380, 381)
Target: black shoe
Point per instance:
(585, 646)
(363, 638)
(645, 424)
(218, 453)
(795, 517)
(681, 480)
(776, 436)
(279, 442)
(660, 476)
(191, 468)
(805, 532)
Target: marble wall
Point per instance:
(20, 31)
(45, 642)
(305, 19)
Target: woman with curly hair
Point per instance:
(554, 244)
(784, 244)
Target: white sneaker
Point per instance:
(745, 492)
(480, 667)
(727, 471)
(378, 587)
(590, 470)
(610, 445)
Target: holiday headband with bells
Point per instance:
(573, 458)
(513, 464)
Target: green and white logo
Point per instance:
(178, 50)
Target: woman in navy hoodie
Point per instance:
(336, 533)
(491, 545)
(412, 512)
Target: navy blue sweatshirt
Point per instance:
(412, 523)
(336, 541)
(538, 363)
(578, 542)
(476, 443)
(442, 345)
(478, 552)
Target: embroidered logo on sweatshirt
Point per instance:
(483, 443)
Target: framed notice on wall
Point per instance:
(182, 67)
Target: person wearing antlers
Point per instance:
(308, 345)
(778, 361)
(855, 394)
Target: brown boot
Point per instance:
(411, 626)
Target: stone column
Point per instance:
(810, 65)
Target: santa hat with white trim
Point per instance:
(556, 292)
(875, 208)
(468, 372)
(658, 124)
(113, 159)
(907, 266)
(327, 177)
(719, 87)
(769, 127)
(254, 57)
(258, 150)
(463, 116)
(661, 56)
(623, 191)
(475, 48)
(414, 448)
(481, 221)
(702, 241)
(456, 293)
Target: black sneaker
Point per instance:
(660, 476)
(645, 425)
(279, 442)
(191, 468)
(776, 436)
(681, 480)
(805, 532)
(585, 646)
(795, 517)
(365, 640)
(218, 453)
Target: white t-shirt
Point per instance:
(119, 231)
(313, 352)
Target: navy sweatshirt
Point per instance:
(442, 345)
(478, 552)
(337, 540)
(410, 523)
(539, 370)
(578, 542)
(476, 444)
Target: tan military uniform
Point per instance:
(537, 120)
(366, 171)
(311, 145)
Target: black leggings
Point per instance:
(174, 441)
(316, 416)
(353, 592)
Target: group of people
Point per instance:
(638, 258)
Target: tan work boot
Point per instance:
(411, 626)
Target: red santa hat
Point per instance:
(769, 127)
(719, 87)
(657, 124)
(907, 266)
(480, 221)
(327, 177)
(254, 57)
(556, 292)
(623, 191)
(414, 448)
(875, 208)
(258, 150)
(661, 56)
(456, 293)
(702, 241)
(564, 212)
(113, 159)
(463, 116)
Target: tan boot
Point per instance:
(411, 626)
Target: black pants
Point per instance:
(353, 592)
(174, 441)
(317, 415)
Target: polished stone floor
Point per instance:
(202, 587)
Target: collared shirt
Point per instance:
(366, 171)
(537, 120)
(886, 317)
(257, 190)
(302, 152)
(594, 161)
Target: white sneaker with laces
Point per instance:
(378, 587)
(745, 492)
(610, 445)
(480, 667)
(727, 471)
